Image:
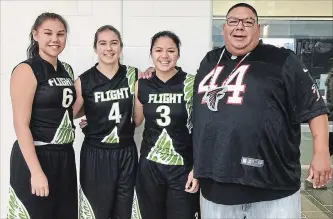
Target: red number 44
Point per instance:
(237, 76)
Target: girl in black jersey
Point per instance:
(43, 180)
(165, 187)
(108, 162)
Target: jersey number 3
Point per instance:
(165, 118)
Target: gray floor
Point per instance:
(316, 204)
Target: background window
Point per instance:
(311, 40)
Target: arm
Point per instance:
(138, 109)
(78, 110)
(22, 90)
(307, 105)
(319, 130)
(320, 168)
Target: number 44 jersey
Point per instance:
(247, 114)
(167, 110)
(108, 106)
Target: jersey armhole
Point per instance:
(139, 93)
(33, 72)
(82, 83)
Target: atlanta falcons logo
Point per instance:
(315, 91)
(213, 96)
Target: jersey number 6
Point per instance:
(67, 97)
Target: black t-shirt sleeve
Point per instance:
(305, 102)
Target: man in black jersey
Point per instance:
(249, 102)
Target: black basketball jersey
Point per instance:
(167, 110)
(247, 115)
(108, 105)
(52, 114)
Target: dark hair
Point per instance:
(33, 48)
(107, 27)
(244, 5)
(166, 33)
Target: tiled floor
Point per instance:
(316, 204)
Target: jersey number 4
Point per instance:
(208, 83)
(115, 112)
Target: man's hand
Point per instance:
(147, 74)
(192, 185)
(83, 123)
(320, 171)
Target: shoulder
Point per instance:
(146, 82)
(186, 76)
(69, 69)
(34, 64)
(131, 72)
(213, 55)
(88, 73)
(23, 72)
(189, 76)
(188, 85)
(21, 68)
(129, 68)
(272, 54)
(25, 67)
(33, 61)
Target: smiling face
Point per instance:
(164, 54)
(241, 37)
(51, 38)
(108, 47)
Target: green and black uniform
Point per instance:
(166, 151)
(52, 129)
(108, 156)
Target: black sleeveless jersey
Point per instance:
(247, 115)
(167, 110)
(108, 105)
(52, 114)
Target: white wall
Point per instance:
(136, 20)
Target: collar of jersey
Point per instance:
(172, 80)
(49, 66)
(120, 71)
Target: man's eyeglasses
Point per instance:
(247, 22)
